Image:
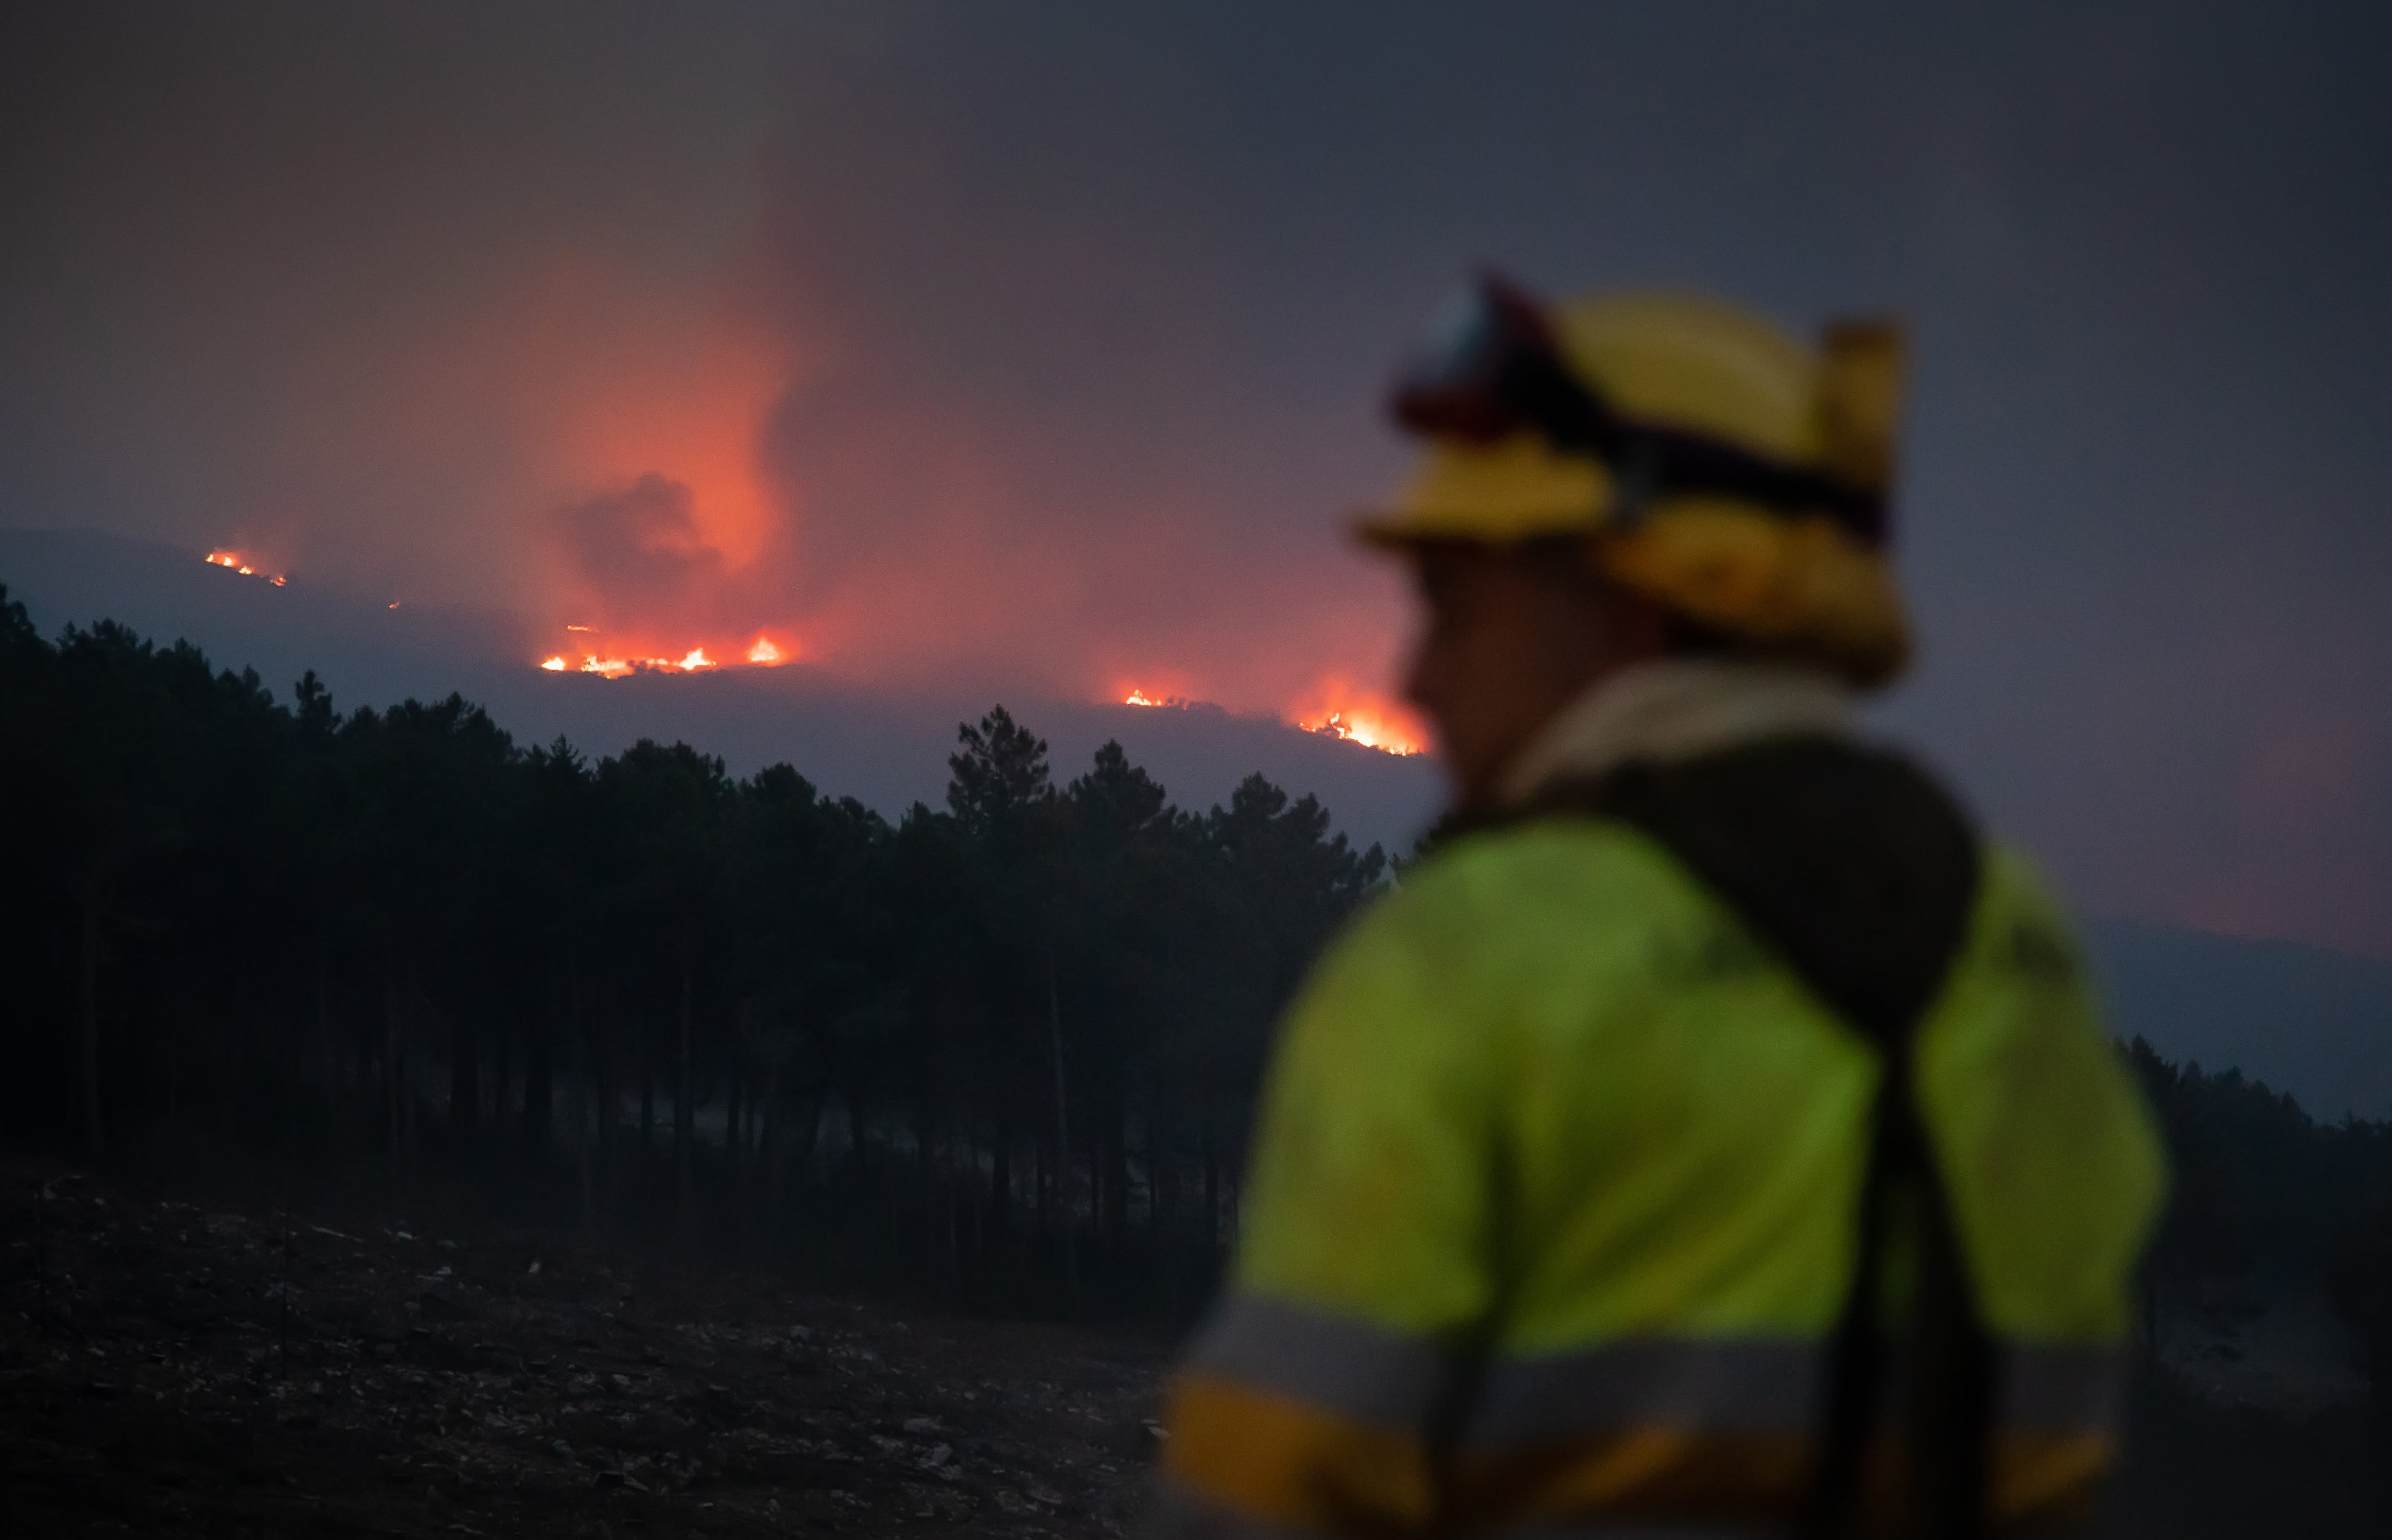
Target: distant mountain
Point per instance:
(368, 650)
(2314, 1023)
(886, 750)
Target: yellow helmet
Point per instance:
(1720, 466)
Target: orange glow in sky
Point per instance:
(676, 584)
(699, 428)
(661, 530)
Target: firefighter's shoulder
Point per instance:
(1510, 904)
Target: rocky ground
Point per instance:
(167, 1368)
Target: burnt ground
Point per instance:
(172, 1368)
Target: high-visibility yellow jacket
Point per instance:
(1551, 1212)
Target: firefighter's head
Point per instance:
(1625, 477)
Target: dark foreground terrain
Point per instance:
(220, 1369)
(173, 1369)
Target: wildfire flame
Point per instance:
(1370, 734)
(1140, 695)
(764, 653)
(1336, 709)
(1333, 708)
(234, 560)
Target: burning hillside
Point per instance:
(1358, 716)
(233, 560)
(1338, 708)
(681, 639)
(614, 663)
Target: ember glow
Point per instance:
(1363, 731)
(609, 663)
(234, 560)
(1162, 702)
(1335, 708)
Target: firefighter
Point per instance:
(1715, 1134)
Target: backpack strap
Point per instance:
(1861, 872)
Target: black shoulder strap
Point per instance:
(1862, 874)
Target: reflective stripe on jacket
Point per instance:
(1551, 1210)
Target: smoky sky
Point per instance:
(641, 549)
(1054, 338)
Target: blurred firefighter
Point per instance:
(1715, 1134)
